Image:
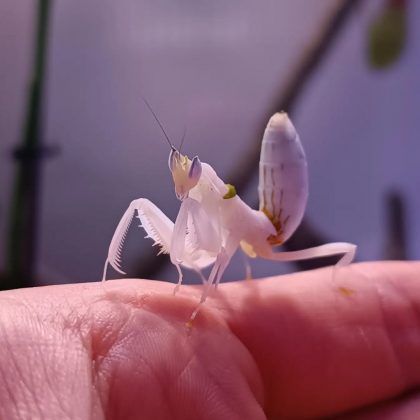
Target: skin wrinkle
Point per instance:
(367, 342)
(395, 409)
(217, 381)
(5, 384)
(256, 391)
(51, 366)
(168, 389)
(184, 370)
(255, 298)
(394, 292)
(354, 299)
(162, 386)
(93, 406)
(224, 306)
(150, 307)
(74, 324)
(409, 305)
(97, 403)
(209, 372)
(103, 337)
(20, 378)
(376, 325)
(391, 291)
(48, 382)
(77, 322)
(261, 395)
(375, 331)
(397, 359)
(128, 309)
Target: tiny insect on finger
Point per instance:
(213, 221)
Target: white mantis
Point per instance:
(213, 222)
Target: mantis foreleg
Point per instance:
(157, 226)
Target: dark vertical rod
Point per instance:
(22, 235)
(395, 227)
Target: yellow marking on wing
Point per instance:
(274, 214)
(277, 239)
(248, 249)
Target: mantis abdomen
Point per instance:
(283, 183)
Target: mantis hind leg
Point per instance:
(180, 277)
(336, 248)
(217, 271)
(219, 267)
(247, 265)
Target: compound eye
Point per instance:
(173, 159)
(195, 169)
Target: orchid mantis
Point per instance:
(213, 222)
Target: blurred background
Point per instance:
(78, 143)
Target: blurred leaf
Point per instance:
(387, 37)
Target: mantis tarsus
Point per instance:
(213, 222)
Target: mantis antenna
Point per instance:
(159, 123)
(183, 138)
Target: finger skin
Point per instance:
(296, 346)
(321, 351)
(120, 350)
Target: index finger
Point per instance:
(326, 345)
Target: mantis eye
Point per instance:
(195, 169)
(173, 159)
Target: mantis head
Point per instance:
(185, 172)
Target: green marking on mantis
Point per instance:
(231, 191)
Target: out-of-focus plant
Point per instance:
(22, 235)
(388, 34)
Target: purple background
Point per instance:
(213, 67)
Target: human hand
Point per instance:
(298, 346)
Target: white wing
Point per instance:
(283, 183)
(195, 242)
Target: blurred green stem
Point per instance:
(22, 235)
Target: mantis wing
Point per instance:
(196, 240)
(283, 183)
